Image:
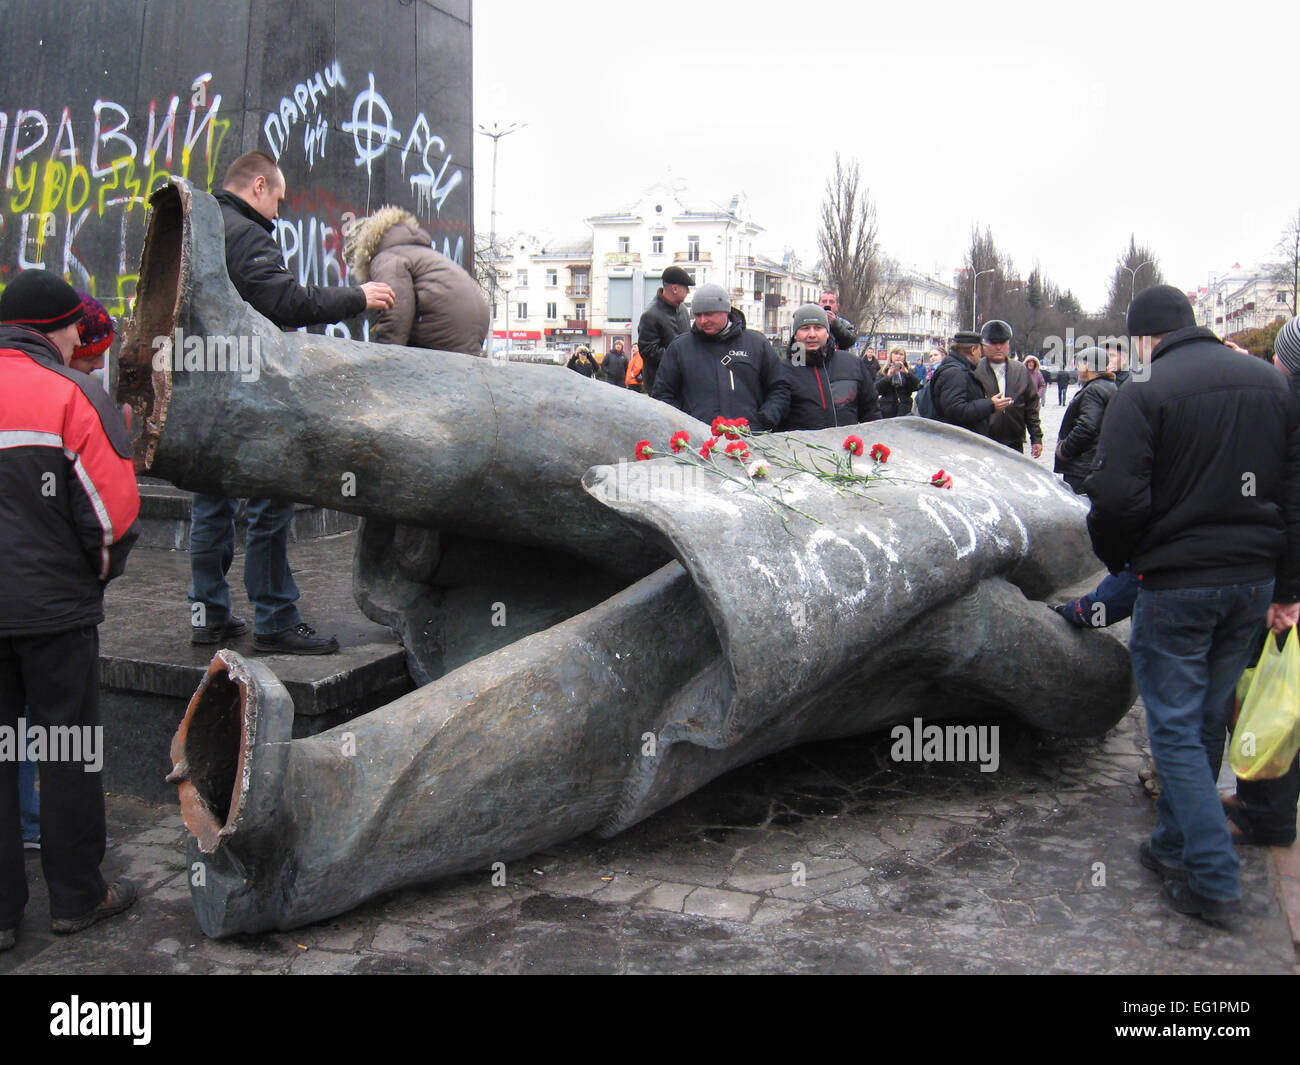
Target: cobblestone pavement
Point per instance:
(831, 858)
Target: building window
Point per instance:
(657, 245)
(521, 279)
(624, 245)
(521, 310)
(580, 312)
(552, 279)
(693, 249)
(550, 312)
(1281, 297)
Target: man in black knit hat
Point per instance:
(1208, 515)
(68, 502)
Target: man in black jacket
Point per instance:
(722, 368)
(1001, 375)
(841, 329)
(615, 364)
(1196, 486)
(958, 396)
(662, 322)
(250, 199)
(827, 387)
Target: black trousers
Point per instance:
(1268, 807)
(53, 680)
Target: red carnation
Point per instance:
(680, 441)
(942, 480)
(880, 453)
(735, 427)
(718, 423)
(738, 450)
(709, 445)
(643, 450)
(853, 445)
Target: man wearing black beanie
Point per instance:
(1196, 486)
(69, 503)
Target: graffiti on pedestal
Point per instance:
(76, 182)
(78, 172)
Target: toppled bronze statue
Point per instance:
(631, 679)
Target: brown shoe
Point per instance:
(121, 894)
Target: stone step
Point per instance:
(149, 669)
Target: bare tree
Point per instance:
(1136, 268)
(887, 299)
(850, 252)
(1286, 271)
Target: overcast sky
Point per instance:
(1062, 127)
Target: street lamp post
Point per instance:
(496, 133)
(1133, 276)
(975, 294)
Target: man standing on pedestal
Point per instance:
(250, 200)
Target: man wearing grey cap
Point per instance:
(828, 387)
(1196, 487)
(663, 322)
(1001, 375)
(722, 368)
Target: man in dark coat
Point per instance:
(663, 322)
(1001, 375)
(1081, 427)
(1209, 516)
(69, 503)
(958, 396)
(722, 368)
(828, 387)
(250, 199)
(615, 365)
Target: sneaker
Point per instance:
(1148, 858)
(32, 844)
(8, 937)
(232, 626)
(300, 640)
(121, 894)
(1183, 899)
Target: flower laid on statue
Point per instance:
(709, 445)
(761, 470)
(853, 445)
(731, 428)
(643, 450)
(879, 453)
(942, 480)
(738, 450)
(680, 441)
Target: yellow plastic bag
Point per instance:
(1267, 735)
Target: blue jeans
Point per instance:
(267, 579)
(29, 802)
(1189, 648)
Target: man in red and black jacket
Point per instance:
(68, 507)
